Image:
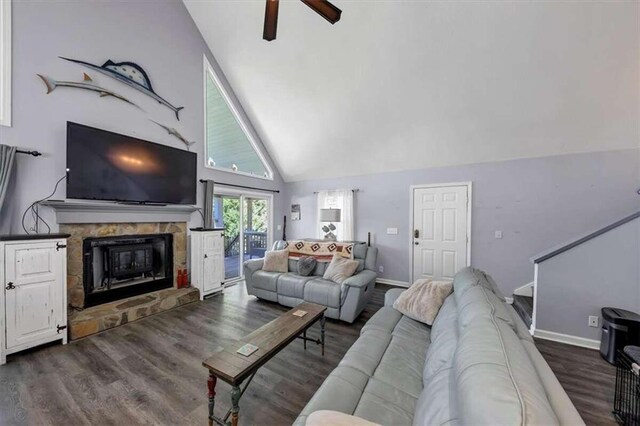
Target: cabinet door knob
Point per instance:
(206, 257)
(10, 286)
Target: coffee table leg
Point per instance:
(236, 393)
(322, 329)
(211, 384)
(304, 339)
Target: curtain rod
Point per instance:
(34, 153)
(353, 190)
(275, 191)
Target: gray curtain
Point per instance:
(7, 158)
(208, 204)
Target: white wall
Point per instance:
(536, 203)
(577, 283)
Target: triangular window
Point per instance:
(229, 145)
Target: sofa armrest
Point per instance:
(360, 279)
(391, 295)
(253, 265)
(335, 418)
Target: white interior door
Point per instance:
(440, 231)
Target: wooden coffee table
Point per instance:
(271, 338)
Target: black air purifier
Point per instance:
(619, 329)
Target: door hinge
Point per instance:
(60, 246)
(10, 286)
(61, 327)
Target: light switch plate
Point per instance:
(278, 227)
(498, 234)
(392, 231)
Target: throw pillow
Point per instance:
(340, 269)
(276, 261)
(306, 265)
(423, 299)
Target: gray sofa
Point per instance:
(476, 365)
(343, 301)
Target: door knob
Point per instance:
(416, 243)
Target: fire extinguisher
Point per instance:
(185, 278)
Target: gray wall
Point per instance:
(160, 36)
(577, 283)
(537, 204)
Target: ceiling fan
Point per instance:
(322, 7)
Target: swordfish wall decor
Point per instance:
(86, 84)
(130, 74)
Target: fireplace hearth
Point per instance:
(126, 265)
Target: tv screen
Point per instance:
(109, 166)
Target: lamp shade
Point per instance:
(330, 215)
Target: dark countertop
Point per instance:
(27, 237)
(205, 229)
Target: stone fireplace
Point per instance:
(80, 233)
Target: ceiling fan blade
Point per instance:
(324, 9)
(270, 20)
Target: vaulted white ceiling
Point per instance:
(401, 85)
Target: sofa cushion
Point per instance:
(341, 391)
(322, 292)
(292, 285)
(437, 404)
(441, 349)
(402, 364)
(266, 280)
(385, 404)
(469, 277)
(480, 302)
(489, 351)
(384, 320)
(366, 352)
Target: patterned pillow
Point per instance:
(306, 265)
(276, 261)
(340, 269)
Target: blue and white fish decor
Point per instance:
(130, 74)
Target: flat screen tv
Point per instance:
(109, 166)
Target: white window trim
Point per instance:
(5, 63)
(209, 71)
(225, 190)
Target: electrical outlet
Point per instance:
(278, 227)
(498, 234)
(593, 321)
(381, 269)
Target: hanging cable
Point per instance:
(34, 210)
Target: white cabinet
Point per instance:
(33, 296)
(207, 261)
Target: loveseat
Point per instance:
(343, 301)
(477, 365)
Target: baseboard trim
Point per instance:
(393, 282)
(567, 338)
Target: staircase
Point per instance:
(523, 305)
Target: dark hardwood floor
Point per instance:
(150, 371)
(586, 377)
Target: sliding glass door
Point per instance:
(246, 219)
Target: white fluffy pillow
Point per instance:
(340, 269)
(276, 261)
(423, 299)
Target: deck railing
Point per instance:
(255, 244)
